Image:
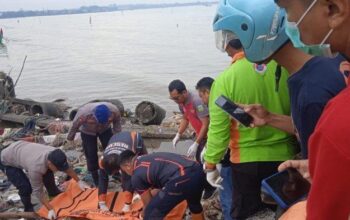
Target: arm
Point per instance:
(35, 179)
(146, 198)
(70, 172)
(102, 185)
(262, 117)
(219, 128)
(127, 187)
(204, 129)
(77, 122)
(183, 125)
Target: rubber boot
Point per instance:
(198, 216)
(94, 175)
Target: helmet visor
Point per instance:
(222, 38)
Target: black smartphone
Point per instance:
(287, 187)
(234, 110)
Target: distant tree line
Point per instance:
(96, 9)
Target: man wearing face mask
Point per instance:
(329, 162)
(313, 81)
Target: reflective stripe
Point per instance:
(182, 170)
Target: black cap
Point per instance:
(59, 159)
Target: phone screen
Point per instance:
(289, 186)
(234, 110)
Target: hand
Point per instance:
(103, 206)
(259, 113)
(51, 215)
(126, 208)
(136, 198)
(214, 178)
(192, 150)
(202, 155)
(176, 139)
(301, 165)
(83, 185)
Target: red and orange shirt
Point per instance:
(193, 110)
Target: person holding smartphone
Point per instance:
(254, 153)
(314, 80)
(324, 25)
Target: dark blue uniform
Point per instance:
(310, 90)
(117, 144)
(178, 177)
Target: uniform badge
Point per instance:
(260, 68)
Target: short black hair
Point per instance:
(236, 44)
(111, 163)
(126, 156)
(205, 83)
(178, 85)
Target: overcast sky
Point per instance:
(14, 5)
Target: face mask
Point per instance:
(293, 33)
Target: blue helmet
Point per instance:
(259, 24)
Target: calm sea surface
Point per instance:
(130, 55)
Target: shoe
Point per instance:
(208, 193)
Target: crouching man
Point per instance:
(109, 165)
(40, 162)
(177, 177)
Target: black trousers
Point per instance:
(19, 179)
(246, 180)
(188, 187)
(90, 150)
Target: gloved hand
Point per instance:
(214, 178)
(103, 206)
(126, 208)
(51, 215)
(176, 139)
(83, 185)
(202, 155)
(136, 198)
(192, 150)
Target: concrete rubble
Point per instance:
(56, 136)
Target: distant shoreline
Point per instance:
(97, 9)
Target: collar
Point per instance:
(238, 56)
(189, 98)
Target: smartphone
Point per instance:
(287, 187)
(234, 110)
